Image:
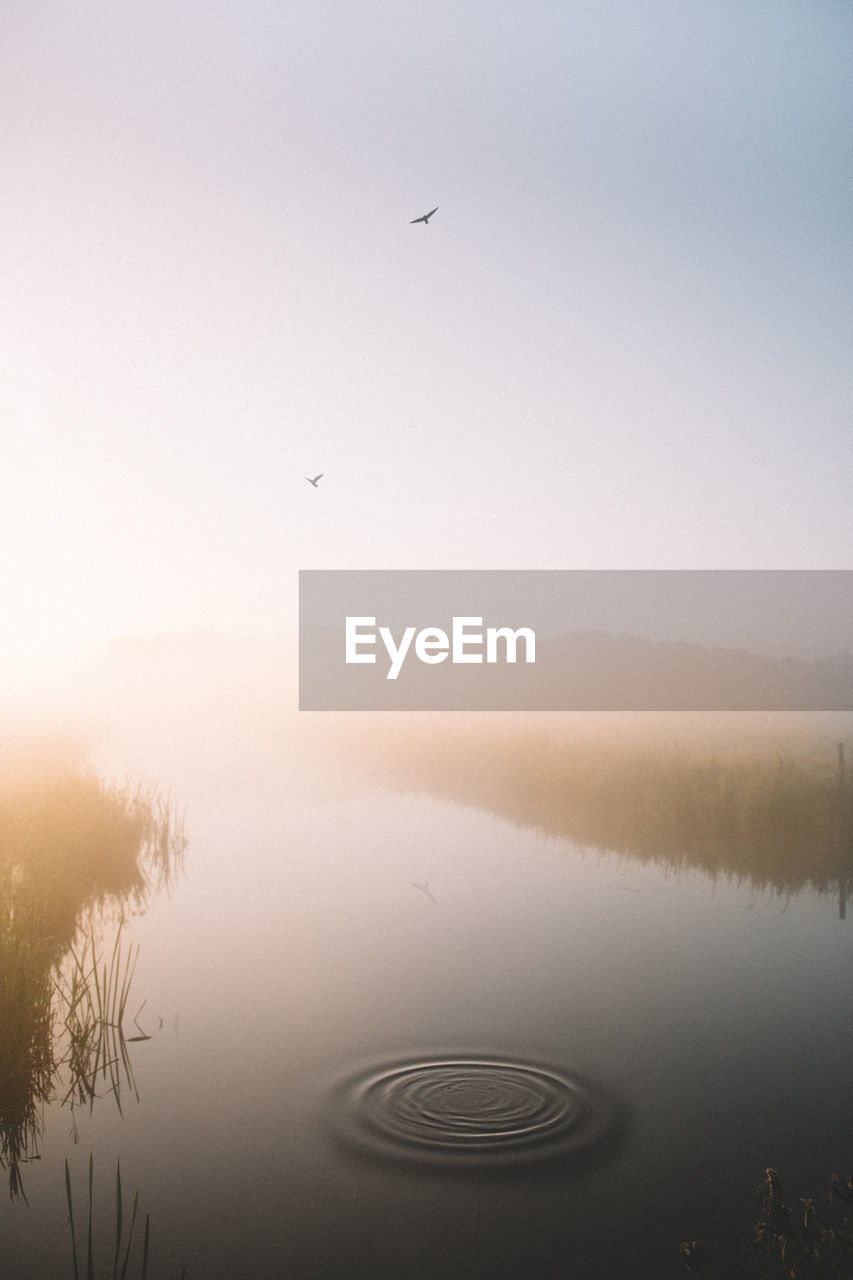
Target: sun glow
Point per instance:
(45, 580)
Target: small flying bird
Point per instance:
(425, 889)
(425, 217)
(316, 479)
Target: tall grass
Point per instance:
(778, 819)
(70, 841)
(92, 995)
(26, 1049)
(73, 849)
(121, 1249)
(794, 1237)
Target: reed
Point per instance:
(778, 817)
(73, 849)
(794, 1237)
(121, 1248)
(92, 1001)
(26, 1046)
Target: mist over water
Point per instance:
(475, 996)
(468, 997)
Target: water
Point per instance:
(397, 1035)
(470, 1113)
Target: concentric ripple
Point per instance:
(469, 1112)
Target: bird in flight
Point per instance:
(425, 217)
(425, 889)
(315, 480)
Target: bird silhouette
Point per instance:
(425, 217)
(425, 889)
(315, 480)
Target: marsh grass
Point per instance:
(93, 995)
(26, 1051)
(121, 1247)
(74, 851)
(71, 841)
(777, 818)
(795, 1237)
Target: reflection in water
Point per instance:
(777, 819)
(122, 1244)
(71, 849)
(92, 994)
(472, 1113)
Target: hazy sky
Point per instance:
(625, 340)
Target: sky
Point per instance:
(622, 342)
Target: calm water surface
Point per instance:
(395, 1036)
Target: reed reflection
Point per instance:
(74, 854)
(780, 820)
